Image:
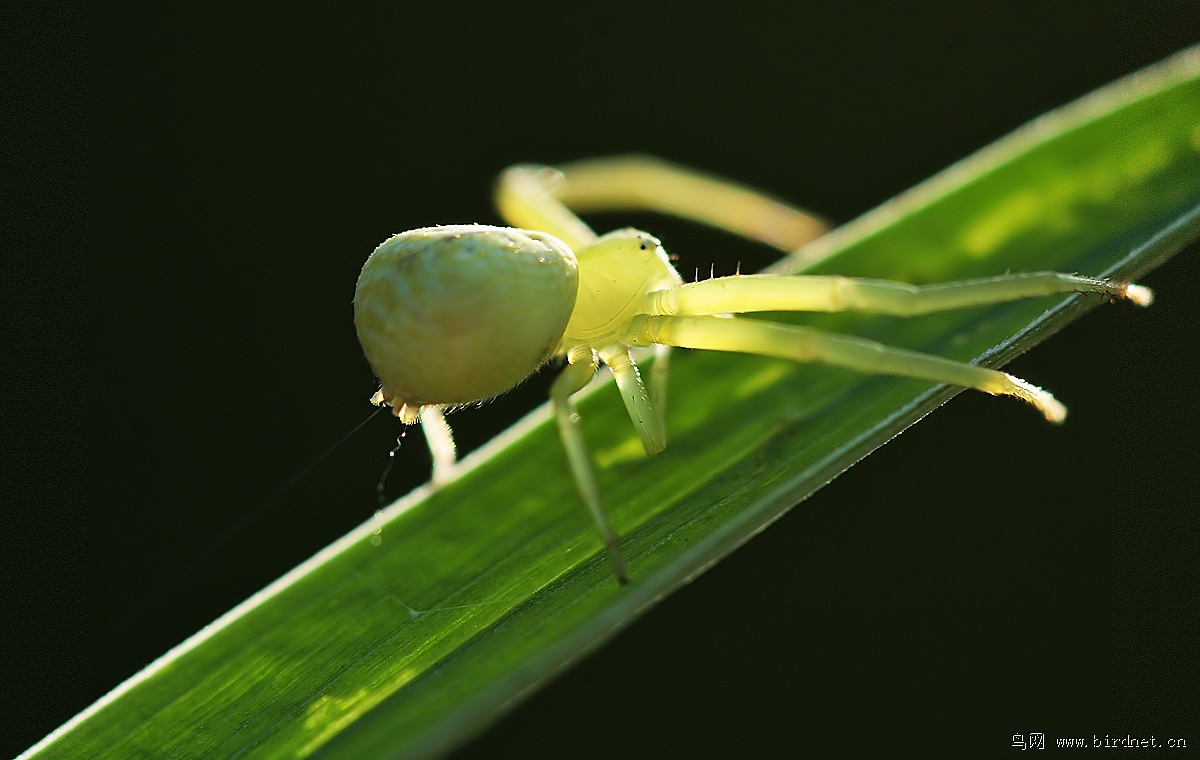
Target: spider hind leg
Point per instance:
(807, 344)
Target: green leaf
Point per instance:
(417, 629)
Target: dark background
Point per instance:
(983, 575)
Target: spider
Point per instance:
(455, 315)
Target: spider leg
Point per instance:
(659, 371)
(580, 369)
(726, 295)
(440, 440)
(647, 420)
(806, 344)
(526, 196)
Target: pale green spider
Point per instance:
(454, 315)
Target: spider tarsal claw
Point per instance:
(1050, 407)
(1138, 294)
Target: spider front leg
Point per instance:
(669, 319)
(807, 344)
(581, 367)
(539, 197)
(731, 295)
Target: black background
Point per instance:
(983, 575)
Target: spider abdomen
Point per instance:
(456, 314)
